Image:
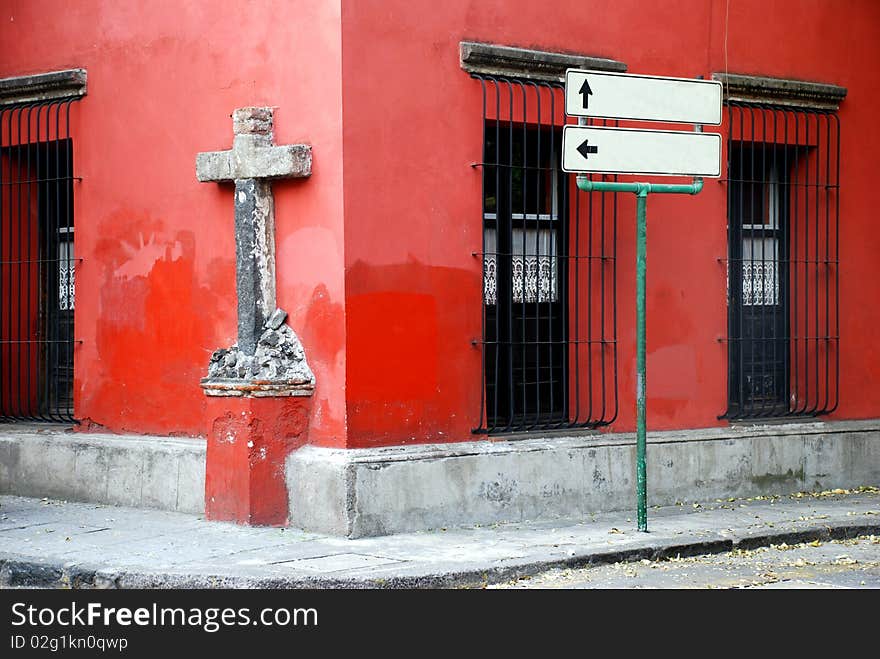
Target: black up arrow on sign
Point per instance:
(585, 91)
(585, 149)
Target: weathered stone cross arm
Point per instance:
(253, 155)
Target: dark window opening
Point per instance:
(549, 302)
(37, 263)
(523, 314)
(783, 323)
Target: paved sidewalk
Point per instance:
(46, 543)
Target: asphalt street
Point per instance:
(832, 564)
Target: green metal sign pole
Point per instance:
(641, 342)
(641, 190)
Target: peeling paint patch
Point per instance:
(550, 491)
(501, 491)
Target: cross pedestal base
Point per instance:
(249, 439)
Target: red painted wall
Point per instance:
(374, 255)
(413, 205)
(156, 288)
(19, 279)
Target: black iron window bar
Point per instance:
(37, 262)
(549, 264)
(783, 333)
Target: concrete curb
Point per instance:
(21, 572)
(363, 493)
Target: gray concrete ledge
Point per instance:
(780, 91)
(490, 59)
(371, 492)
(70, 83)
(164, 473)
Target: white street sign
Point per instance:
(640, 151)
(642, 98)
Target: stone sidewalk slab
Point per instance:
(50, 544)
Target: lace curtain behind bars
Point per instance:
(66, 276)
(533, 264)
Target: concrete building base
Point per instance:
(371, 492)
(165, 473)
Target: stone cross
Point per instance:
(252, 162)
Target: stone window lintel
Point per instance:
(781, 91)
(524, 63)
(70, 83)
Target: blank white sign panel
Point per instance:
(641, 151)
(642, 98)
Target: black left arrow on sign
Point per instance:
(585, 149)
(585, 91)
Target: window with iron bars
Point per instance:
(37, 262)
(783, 333)
(549, 338)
